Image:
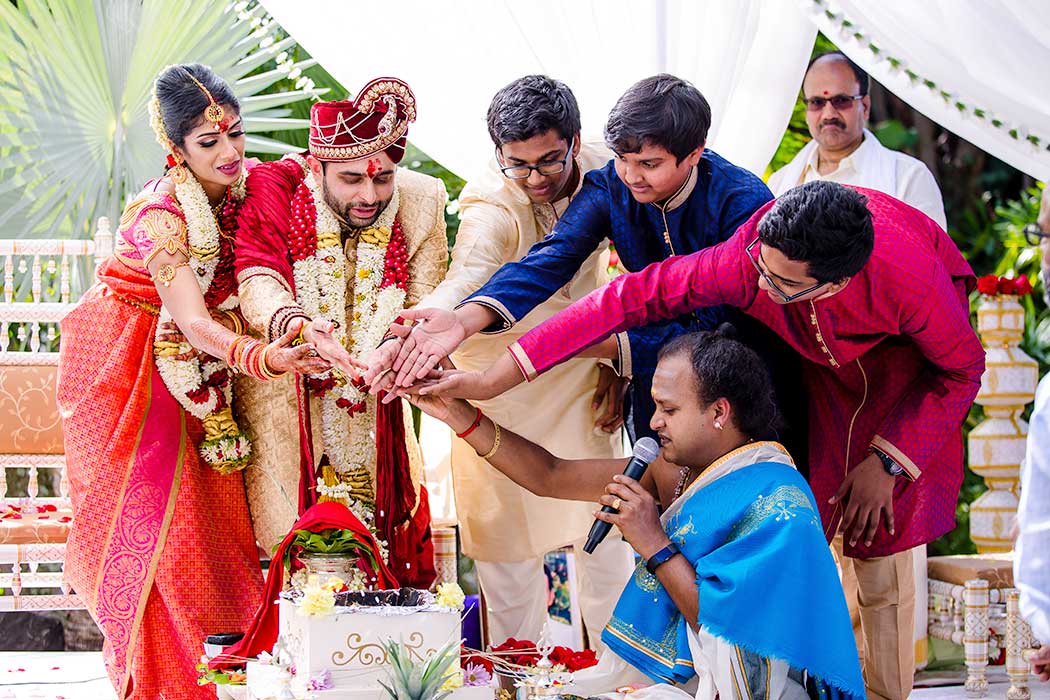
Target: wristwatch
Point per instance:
(891, 467)
(653, 562)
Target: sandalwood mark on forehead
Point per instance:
(374, 167)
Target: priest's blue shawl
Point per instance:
(766, 580)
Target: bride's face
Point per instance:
(215, 155)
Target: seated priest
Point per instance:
(736, 594)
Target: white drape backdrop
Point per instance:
(746, 56)
(989, 55)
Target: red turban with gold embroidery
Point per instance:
(376, 121)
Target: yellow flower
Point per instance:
(334, 584)
(453, 680)
(316, 600)
(449, 595)
(364, 273)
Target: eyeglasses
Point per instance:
(550, 167)
(787, 298)
(840, 102)
(1034, 234)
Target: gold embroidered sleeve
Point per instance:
(428, 263)
(267, 302)
(156, 231)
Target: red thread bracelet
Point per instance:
(473, 426)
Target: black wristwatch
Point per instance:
(654, 562)
(891, 467)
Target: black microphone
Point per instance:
(645, 451)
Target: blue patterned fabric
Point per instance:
(724, 197)
(766, 583)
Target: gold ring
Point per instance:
(616, 504)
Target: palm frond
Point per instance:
(75, 80)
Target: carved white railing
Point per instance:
(39, 287)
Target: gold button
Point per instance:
(823, 349)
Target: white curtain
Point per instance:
(746, 56)
(966, 55)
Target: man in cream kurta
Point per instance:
(843, 151)
(355, 206)
(504, 528)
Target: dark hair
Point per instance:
(859, 73)
(660, 111)
(182, 102)
(532, 106)
(823, 224)
(726, 368)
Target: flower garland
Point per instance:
(380, 279)
(202, 385)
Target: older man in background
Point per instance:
(835, 91)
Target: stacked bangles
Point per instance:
(248, 356)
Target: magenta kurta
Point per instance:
(893, 361)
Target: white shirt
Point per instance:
(1032, 559)
(873, 166)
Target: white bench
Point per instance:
(42, 279)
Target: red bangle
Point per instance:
(473, 426)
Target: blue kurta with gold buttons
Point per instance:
(715, 200)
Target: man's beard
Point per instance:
(346, 218)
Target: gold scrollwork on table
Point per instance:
(373, 654)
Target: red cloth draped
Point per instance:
(262, 634)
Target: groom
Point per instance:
(344, 239)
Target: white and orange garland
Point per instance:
(348, 412)
(202, 385)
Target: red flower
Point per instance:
(988, 284)
(1007, 286)
(1023, 286)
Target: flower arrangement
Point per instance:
(318, 600)
(523, 653)
(996, 286)
(450, 595)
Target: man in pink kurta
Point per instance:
(892, 368)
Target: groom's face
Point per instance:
(357, 190)
(681, 423)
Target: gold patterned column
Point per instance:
(997, 444)
(445, 561)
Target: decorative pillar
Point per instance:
(446, 562)
(975, 636)
(997, 444)
(1017, 641)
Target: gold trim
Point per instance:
(899, 457)
(631, 643)
(522, 361)
(734, 453)
(158, 551)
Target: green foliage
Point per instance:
(75, 138)
(330, 541)
(420, 680)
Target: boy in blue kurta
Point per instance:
(663, 194)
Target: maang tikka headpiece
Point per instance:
(213, 113)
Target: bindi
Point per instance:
(374, 167)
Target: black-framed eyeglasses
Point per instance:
(1034, 234)
(550, 167)
(787, 298)
(840, 102)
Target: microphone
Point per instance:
(645, 451)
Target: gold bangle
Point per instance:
(495, 443)
(238, 324)
(266, 371)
